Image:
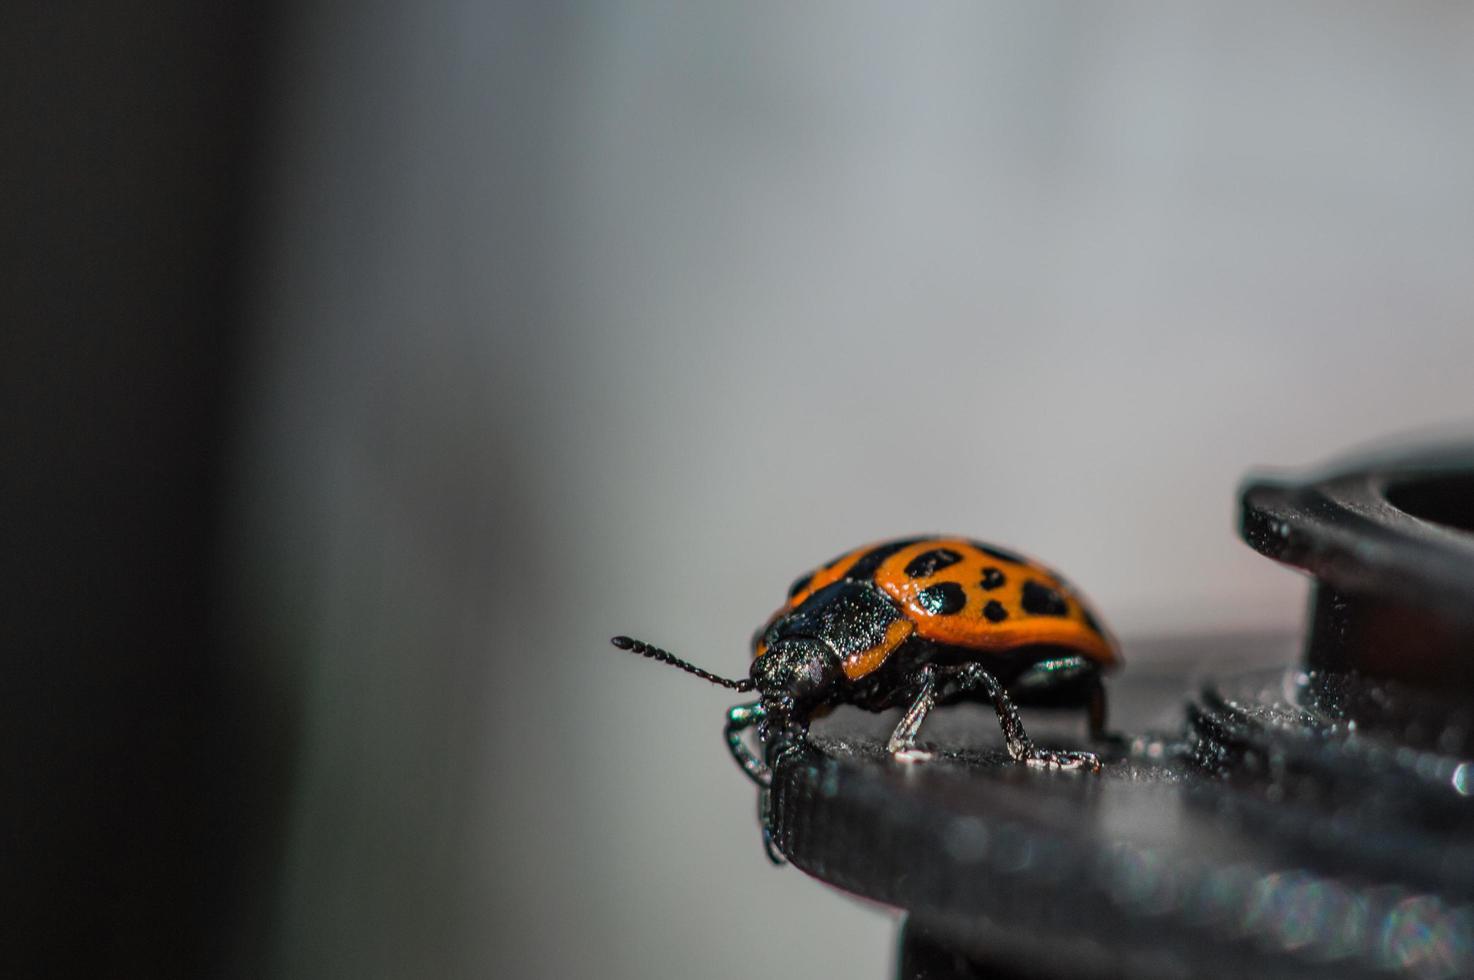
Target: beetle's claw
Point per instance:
(1052, 759)
(913, 755)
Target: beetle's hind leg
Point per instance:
(1098, 714)
(962, 680)
(970, 677)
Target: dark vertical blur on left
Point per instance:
(135, 784)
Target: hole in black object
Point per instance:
(1446, 500)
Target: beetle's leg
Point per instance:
(1020, 746)
(740, 718)
(903, 739)
(1097, 715)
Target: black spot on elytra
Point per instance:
(943, 599)
(994, 611)
(799, 584)
(863, 570)
(1041, 600)
(931, 562)
(1002, 554)
(992, 578)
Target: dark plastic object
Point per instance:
(1390, 541)
(1314, 820)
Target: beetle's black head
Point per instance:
(796, 675)
(801, 668)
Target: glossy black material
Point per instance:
(943, 599)
(930, 562)
(851, 616)
(1041, 600)
(863, 570)
(1389, 539)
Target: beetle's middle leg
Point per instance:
(902, 743)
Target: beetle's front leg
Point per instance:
(778, 731)
(740, 718)
(765, 821)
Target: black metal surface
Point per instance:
(1287, 820)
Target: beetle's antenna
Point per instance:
(655, 653)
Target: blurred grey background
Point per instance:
(556, 321)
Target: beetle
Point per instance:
(918, 622)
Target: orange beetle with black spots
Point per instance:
(919, 622)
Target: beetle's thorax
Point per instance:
(855, 621)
